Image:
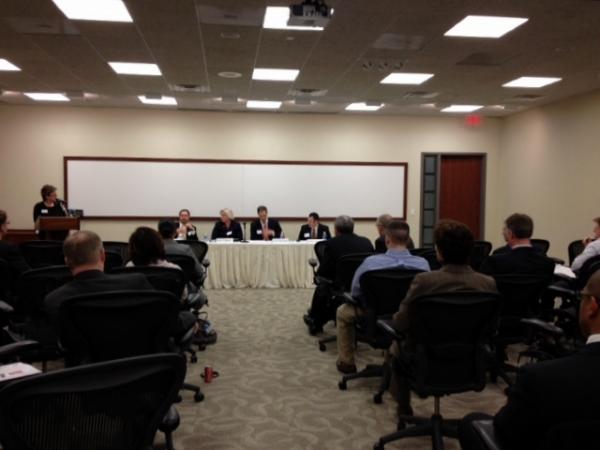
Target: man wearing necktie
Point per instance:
(313, 229)
(264, 228)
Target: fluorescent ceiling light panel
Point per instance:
(406, 78)
(127, 68)
(531, 82)
(169, 101)
(462, 108)
(6, 65)
(362, 107)
(485, 26)
(276, 18)
(262, 104)
(275, 74)
(102, 10)
(47, 97)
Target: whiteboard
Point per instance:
(150, 188)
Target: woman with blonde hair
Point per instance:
(227, 226)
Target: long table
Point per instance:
(260, 264)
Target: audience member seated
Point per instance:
(264, 228)
(10, 252)
(168, 231)
(227, 227)
(592, 247)
(381, 222)
(521, 258)
(84, 255)
(453, 243)
(549, 393)
(396, 256)
(185, 228)
(345, 242)
(313, 229)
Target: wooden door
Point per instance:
(461, 189)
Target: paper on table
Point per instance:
(16, 370)
(564, 271)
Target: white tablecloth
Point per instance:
(260, 265)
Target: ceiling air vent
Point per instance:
(188, 87)
(32, 25)
(307, 92)
(391, 41)
(484, 59)
(526, 97)
(420, 95)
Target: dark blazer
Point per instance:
(450, 278)
(256, 229)
(339, 246)
(92, 281)
(521, 260)
(380, 246)
(234, 231)
(16, 263)
(190, 235)
(322, 232)
(549, 393)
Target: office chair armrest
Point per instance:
(346, 297)
(5, 308)
(546, 327)
(559, 290)
(557, 260)
(485, 430)
(17, 348)
(206, 262)
(313, 262)
(322, 280)
(195, 300)
(387, 326)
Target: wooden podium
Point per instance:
(57, 228)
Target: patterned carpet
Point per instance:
(277, 391)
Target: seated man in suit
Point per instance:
(186, 230)
(168, 232)
(396, 256)
(592, 246)
(264, 228)
(550, 393)
(10, 253)
(345, 242)
(521, 258)
(453, 243)
(313, 229)
(382, 222)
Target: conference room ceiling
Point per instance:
(194, 41)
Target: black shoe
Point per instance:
(345, 368)
(313, 328)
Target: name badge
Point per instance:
(44, 211)
(306, 235)
(259, 232)
(229, 233)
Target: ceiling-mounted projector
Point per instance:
(310, 13)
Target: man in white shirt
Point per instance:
(592, 247)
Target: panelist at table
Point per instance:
(185, 228)
(227, 227)
(264, 228)
(50, 206)
(313, 229)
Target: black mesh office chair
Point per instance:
(382, 290)
(113, 260)
(200, 249)
(187, 265)
(521, 295)
(42, 253)
(115, 405)
(344, 272)
(429, 254)
(543, 245)
(121, 248)
(319, 248)
(5, 280)
(575, 248)
(449, 333)
(481, 250)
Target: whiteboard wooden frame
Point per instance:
(402, 168)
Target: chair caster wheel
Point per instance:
(378, 399)
(178, 399)
(378, 446)
(193, 359)
(322, 347)
(198, 396)
(342, 385)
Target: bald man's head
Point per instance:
(589, 310)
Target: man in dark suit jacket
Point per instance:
(345, 242)
(453, 243)
(550, 393)
(521, 257)
(313, 229)
(10, 253)
(264, 228)
(84, 255)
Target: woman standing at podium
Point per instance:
(50, 206)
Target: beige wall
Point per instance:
(35, 138)
(549, 162)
